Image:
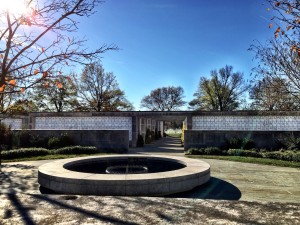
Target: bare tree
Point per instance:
(36, 43)
(164, 99)
(279, 58)
(222, 92)
(273, 94)
(99, 90)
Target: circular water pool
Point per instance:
(124, 175)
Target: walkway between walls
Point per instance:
(165, 145)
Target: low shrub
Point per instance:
(240, 143)
(273, 155)
(53, 143)
(140, 141)
(24, 152)
(195, 151)
(24, 139)
(148, 138)
(205, 151)
(247, 153)
(6, 137)
(76, 150)
(213, 151)
(296, 157)
(283, 155)
(63, 140)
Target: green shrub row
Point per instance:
(76, 150)
(30, 152)
(24, 152)
(286, 155)
(206, 151)
(247, 153)
(289, 155)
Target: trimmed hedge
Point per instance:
(76, 150)
(293, 156)
(24, 152)
(283, 155)
(205, 151)
(247, 153)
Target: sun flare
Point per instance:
(14, 7)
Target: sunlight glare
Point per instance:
(14, 7)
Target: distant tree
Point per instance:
(279, 57)
(58, 95)
(273, 94)
(164, 99)
(39, 39)
(7, 100)
(99, 90)
(23, 106)
(222, 92)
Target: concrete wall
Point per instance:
(102, 139)
(85, 123)
(262, 139)
(261, 123)
(14, 123)
(247, 123)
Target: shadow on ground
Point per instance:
(18, 178)
(215, 189)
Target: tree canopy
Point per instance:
(222, 92)
(164, 99)
(99, 90)
(55, 95)
(273, 94)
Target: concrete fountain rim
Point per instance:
(56, 177)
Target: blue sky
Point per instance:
(175, 42)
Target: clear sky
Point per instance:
(175, 42)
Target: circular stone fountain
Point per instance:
(124, 175)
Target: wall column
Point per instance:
(135, 130)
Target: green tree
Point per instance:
(222, 92)
(58, 95)
(99, 90)
(164, 99)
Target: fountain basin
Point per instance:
(61, 177)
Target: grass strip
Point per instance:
(263, 161)
(48, 157)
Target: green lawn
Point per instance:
(46, 157)
(229, 158)
(263, 161)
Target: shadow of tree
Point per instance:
(23, 211)
(216, 189)
(98, 216)
(18, 178)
